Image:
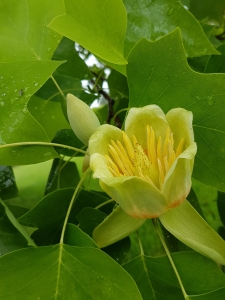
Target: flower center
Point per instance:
(151, 164)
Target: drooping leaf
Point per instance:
(10, 238)
(71, 272)
(156, 280)
(158, 73)
(92, 25)
(154, 19)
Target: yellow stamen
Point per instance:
(117, 160)
(130, 149)
(180, 147)
(122, 157)
(150, 164)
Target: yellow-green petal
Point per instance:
(190, 228)
(137, 197)
(177, 183)
(115, 227)
(180, 121)
(100, 140)
(83, 120)
(138, 119)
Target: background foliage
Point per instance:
(118, 54)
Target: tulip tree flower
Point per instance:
(147, 167)
(147, 170)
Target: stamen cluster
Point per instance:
(151, 164)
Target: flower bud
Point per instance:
(83, 120)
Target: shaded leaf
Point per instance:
(8, 188)
(62, 175)
(67, 137)
(216, 63)
(89, 218)
(221, 206)
(211, 12)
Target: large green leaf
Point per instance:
(158, 73)
(156, 280)
(70, 273)
(24, 33)
(154, 19)
(24, 69)
(99, 26)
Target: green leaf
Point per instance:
(74, 236)
(192, 230)
(24, 69)
(16, 224)
(67, 137)
(31, 181)
(119, 250)
(156, 280)
(89, 218)
(49, 115)
(17, 123)
(50, 211)
(93, 25)
(216, 63)
(211, 12)
(115, 227)
(62, 175)
(221, 206)
(24, 34)
(10, 238)
(8, 188)
(158, 73)
(154, 19)
(118, 85)
(71, 273)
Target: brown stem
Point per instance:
(110, 101)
